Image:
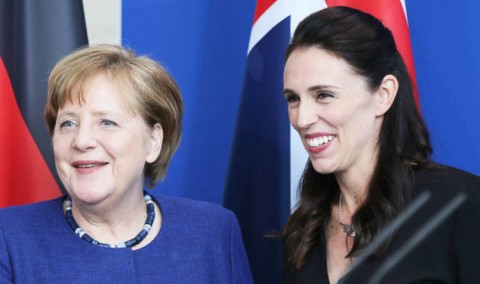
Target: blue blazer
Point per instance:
(199, 242)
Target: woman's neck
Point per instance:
(354, 187)
(111, 221)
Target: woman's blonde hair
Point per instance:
(147, 87)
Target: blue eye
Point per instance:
(108, 123)
(67, 124)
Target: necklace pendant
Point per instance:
(348, 230)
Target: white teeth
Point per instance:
(88, 166)
(318, 141)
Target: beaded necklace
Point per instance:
(128, 244)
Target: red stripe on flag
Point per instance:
(391, 13)
(24, 174)
(262, 6)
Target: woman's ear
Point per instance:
(386, 93)
(155, 143)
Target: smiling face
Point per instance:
(101, 146)
(333, 110)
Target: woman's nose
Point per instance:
(85, 138)
(306, 115)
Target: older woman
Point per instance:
(351, 101)
(115, 121)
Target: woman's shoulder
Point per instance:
(182, 203)
(35, 212)
(448, 184)
(188, 210)
(33, 223)
(447, 178)
(187, 220)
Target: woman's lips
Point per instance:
(318, 142)
(85, 167)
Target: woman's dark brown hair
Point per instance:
(369, 47)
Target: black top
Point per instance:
(448, 253)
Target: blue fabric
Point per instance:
(199, 242)
(259, 171)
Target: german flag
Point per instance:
(34, 35)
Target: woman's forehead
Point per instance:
(121, 89)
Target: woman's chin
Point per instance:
(88, 197)
(323, 167)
